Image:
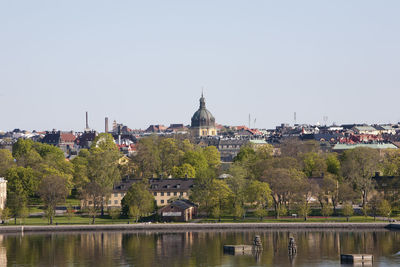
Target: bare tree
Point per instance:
(52, 191)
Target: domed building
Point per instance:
(203, 122)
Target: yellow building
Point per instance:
(203, 122)
(163, 190)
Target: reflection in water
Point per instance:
(198, 248)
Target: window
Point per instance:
(168, 194)
(175, 193)
(90, 202)
(115, 202)
(155, 193)
(109, 202)
(162, 193)
(162, 200)
(115, 194)
(181, 193)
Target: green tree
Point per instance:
(347, 210)
(186, 170)
(333, 164)
(327, 210)
(259, 193)
(138, 199)
(237, 184)
(313, 164)
(384, 208)
(391, 163)
(196, 159)
(6, 161)
(359, 166)
(147, 157)
(220, 195)
(373, 205)
(80, 169)
(5, 215)
(213, 157)
(103, 172)
(169, 155)
(303, 209)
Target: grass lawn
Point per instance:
(63, 220)
(355, 219)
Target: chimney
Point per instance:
(106, 125)
(87, 120)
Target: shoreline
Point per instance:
(194, 226)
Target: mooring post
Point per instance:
(292, 246)
(257, 243)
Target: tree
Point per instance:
(348, 210)
(327, 191)
(138, 199)
(359, 166)
(186, 170)
(283, 183)
(103, 172)
(6, 161)
(303, 209)
(5, 215)
(21, 184)
(313, 164)
(384, 208)
(391, 163)
(148, 157)
(196, 159)
(259, 193)
(327, 210)
(169, 155)
(373, 205)
(213, 157)
(114, 213)
(52, 191)
(70, 212)
(80, 169)
(220, 195)
(237, 184)
(333, 164)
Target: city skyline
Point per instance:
(141, 64)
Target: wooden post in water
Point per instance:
(292, 247)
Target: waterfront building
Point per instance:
(163, 190)
(203, 122)
(180, 210)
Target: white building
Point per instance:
(3, 192)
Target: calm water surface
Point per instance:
(196, 248)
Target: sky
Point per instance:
(145, 62)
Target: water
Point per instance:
(195, 248)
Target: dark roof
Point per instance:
(181, 204)
(158, 184)
(171, 184)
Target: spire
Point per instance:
(202, 101)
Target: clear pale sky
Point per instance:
(145, 62)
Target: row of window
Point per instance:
(121, 194)
(116, 202)
(169, 194)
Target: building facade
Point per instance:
(163, 190)
(3, 192)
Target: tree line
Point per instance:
(260, 178)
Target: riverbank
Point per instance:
(194, 226)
